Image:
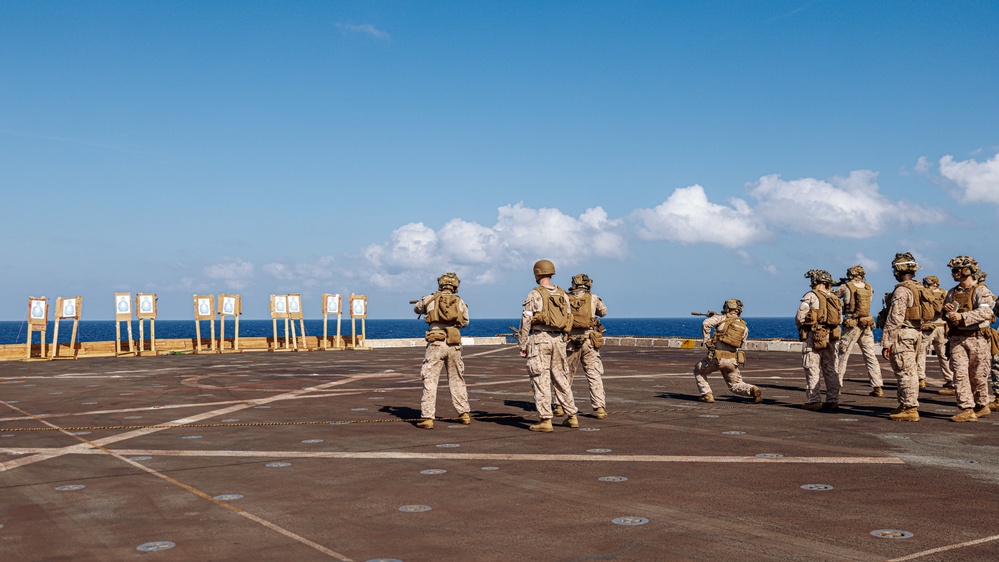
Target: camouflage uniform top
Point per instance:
(901, 299)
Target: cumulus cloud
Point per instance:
(689, 218)
(978, 181)
(233, 272)
(307, 274)
(521, 234)
(365, 29)
(850, 207)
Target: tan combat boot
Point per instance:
(906, 414)
(965, 416)
(426, 423)
(707, 398)
(544, 426)
(812, 406)
(601, 413)
(465, 418)
(983, 410)
(571, 421)
(922, 384)
(994, 406)
(876, 392)
(558, 411)
(757, 394)
(948, 389)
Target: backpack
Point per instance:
(582, 310)
(732, 331)
(447, 309)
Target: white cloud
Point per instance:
(477, 252)
(234, 272)
(978, 181)
(688, 217)
(307, 274)
(365, 29)
(869, 265)
(771, 269)
(850, 207)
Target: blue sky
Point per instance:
(678, 153)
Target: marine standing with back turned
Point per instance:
(546, 320)
(934, 335)
(724, 353)
(818, 319)
(901, 338)
(445, 313)
(856, 294)
(585, 339)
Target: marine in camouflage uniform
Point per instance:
(730, 332)
(546, 320)
(856, 294)
(817, 319)
(901, 338)
(585, 339)
(994, 371)
(968, 311)
(445, 313)
(935, 335)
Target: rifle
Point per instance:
(842, 281)
(709, 313)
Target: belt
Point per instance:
(546, 330)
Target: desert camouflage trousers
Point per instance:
(730, 372)
(904, 356)
(440, 355)
(582, 352)
(548, 370)
(819, 365)
(995, 375)
(938, 340)
(865, 339)
(970, 360)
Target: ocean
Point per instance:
(104, 330)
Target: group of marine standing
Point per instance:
(560, 330)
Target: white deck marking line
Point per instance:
(945, 548)
(97, 449)
(490, 352)
(400, 455)
(4, 466)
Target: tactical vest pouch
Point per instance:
(435, 335)
(835, 334)
(865, 322)
(453, 335)
(732, 332)
(820, 337)
(582, 315)
(740, 357)
(993, 336)
(597, 339)
(851, 323)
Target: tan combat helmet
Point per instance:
(963, 265)
(931, 281)
(449, 281)
(904, 263)
(819, 276)
(581, 281)
(732, 305)
(856, 271)
(544, 268)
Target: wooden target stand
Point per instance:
(204, 309)
(38, 320)
(332, 304)
(289, 308)
(358, 309)
(123, 313)
(229, 305)
(66, 309)
(145, 309)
